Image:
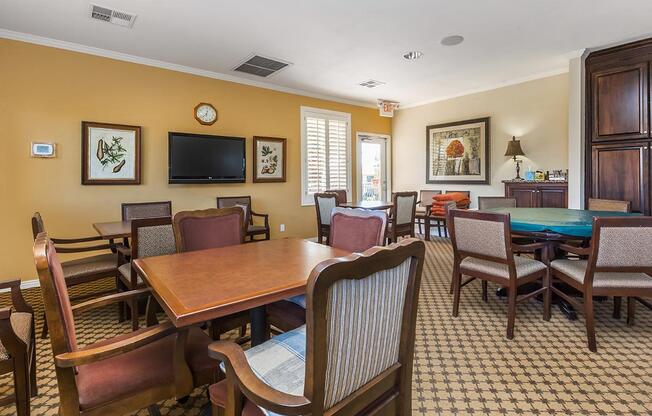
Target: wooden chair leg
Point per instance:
(153, 410)
(617, 302)
(133, 305)
(631, 310)
(44, 330)
(484, 291)
(445, 229)
(426, 225)
(419, 224)
(511, 311)
(547, 295)
(21, 385)
(590, 323)
(457, 283)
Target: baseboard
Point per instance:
(26, 284)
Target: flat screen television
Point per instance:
(200, 158)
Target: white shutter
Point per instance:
(325, 140)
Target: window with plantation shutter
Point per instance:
(325, 152)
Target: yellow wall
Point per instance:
(45, 93)
(536, 112)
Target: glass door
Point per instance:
(372, 168)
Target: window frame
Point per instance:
(308, 200)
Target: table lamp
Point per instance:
(513, 150)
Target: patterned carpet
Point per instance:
(466, 365)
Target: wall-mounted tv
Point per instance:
(200, 158)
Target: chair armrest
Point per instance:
(76, 240)
(17, 299)
(264, 216)
(91, 355)
(107, 300)
(123, 250)
(528, 248)
(251, 386)
(83, 249)
(5, 313)
(580, 251)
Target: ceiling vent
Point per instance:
(115, 17)
(371, 83)
(261, 66)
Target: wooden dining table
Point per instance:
(113, 229)
(199, 286)
(372, 205)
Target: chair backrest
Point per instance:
(467, 193)
(37, 225)
(243, 202)
(137, 210)
(208, 228)
(341, 195)
(324, 204)
(620, 244)
(357, 230)
(404, 208)
(484, 235)
(425, 197)
(488, 202)
(609, 205)
(152, 237)
(360, 324)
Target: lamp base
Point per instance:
(518, 170)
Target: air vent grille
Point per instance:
(115, 17)
(261, 66)
(371, 83)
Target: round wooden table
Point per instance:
(373, 205)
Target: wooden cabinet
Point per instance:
(620, 97)
(618, 136)
(621, 172)
(538, 194)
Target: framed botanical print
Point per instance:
(110, 154)
(458, 152)
(269, 159)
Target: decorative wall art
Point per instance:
(458, 152)
(110, 154)
(269, 159)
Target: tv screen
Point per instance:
(199, 158)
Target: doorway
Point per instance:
(373, 167)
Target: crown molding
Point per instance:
(106, 53)
(508, 83)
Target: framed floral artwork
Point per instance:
(269, 159)
(458, 152)
(110, 154)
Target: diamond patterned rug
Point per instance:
(463, 365)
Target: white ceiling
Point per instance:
(336, 44)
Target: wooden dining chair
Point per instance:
(353, 230)
(244, 202)
(489, 202)
(423, 208)
(149, 237)
(402, 214)
(213, 228)
(329, 366)
(85, 269)
(483, 249)
(619, 264)
(18, 348)
(342, 198)
(324, 204)
(123, 374)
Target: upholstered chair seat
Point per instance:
(21, 322)
(125, 271)
(144, 368)
(102, 263)
(577, 270)
(524, 266)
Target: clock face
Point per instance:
(205, 113)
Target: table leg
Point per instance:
(426, 226)
(259, 327)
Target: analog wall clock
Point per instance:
(205, 114)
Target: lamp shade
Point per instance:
(514, 148)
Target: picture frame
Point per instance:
(270, 159)
(459, 152)
(111, 154)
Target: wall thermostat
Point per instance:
(41, 149)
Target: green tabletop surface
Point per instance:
(568, 222)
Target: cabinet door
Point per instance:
(620, 103)
(621, 172)
(526, 197)
(553, 197)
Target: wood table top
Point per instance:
(198, 286)
(113, 229)
(373, 205)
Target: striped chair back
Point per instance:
(369, 303)
(325, 202)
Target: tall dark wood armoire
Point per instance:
(618, 136)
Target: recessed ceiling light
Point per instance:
(412, 55)
(452, 40)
